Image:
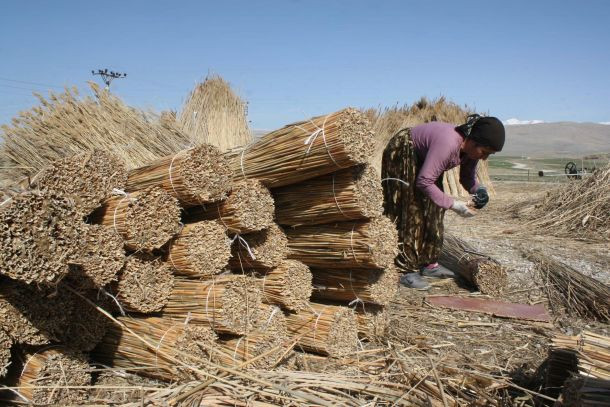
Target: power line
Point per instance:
(31, 83)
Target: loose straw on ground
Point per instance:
(287, 285)
(325, 329)
(201, 249)
(144, 284)
(166, 340)
(476, 268)
(353, 193)
(39, 234)
(195, 176)
(306, 149)
(248, 208)
(227, 303)
(373, 321)
(354, 285)
(265, 249)
(362, 244)
(146, 220)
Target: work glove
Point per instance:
(462, 209)
(480, 197)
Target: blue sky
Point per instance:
(545, 60)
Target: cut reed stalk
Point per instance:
(288, 285)
(325, 329)
(48, 373)
(201, 249)
(248, 208)
(370, 286)
(146, 220)
(167, 340)
(307, 149)
(476, 268)
(39, 234)
(195, 176)
(592, 352)
(353, 193)
(227, 303)
(145, 284)
(6, 343)
(260, 250)
(585, 392)
(363, 244)
(373, 321)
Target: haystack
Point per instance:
(287, 285)
(265, 249)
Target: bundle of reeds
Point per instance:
(48, 374)
(145, 284)
(195, 176)
(146, 219)
(353, 285)
(307, 149)
(325, 329)
(476, 268)
(353, 193)
(87, 178)
(362, 244)
(201, 249)
(248, 208)
(265, 249)
(227, 303)
(117, 388)
(39, 234)
(100, 260)
(18, 316)
(214, 115)
(570, 290)
(6, 343)
(591, 350)
(373, 321)
(287, 285)
(165, 343)
(585, 392)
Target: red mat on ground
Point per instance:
(497, 308)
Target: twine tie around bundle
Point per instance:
(207, 298)
(235, 351)
(358, 300)
(244, 243)
(310, 140)
(395, 179)
(159, 344)
(336, 201)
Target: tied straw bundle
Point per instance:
(306, 149)
(592, 352)
(288, 285)
(356, 286)
(248, 208)
(265, 249)
(201, 249)
(373, 321)
(146, 220)
(353, 193)
(363, 244)
(477, 269)
(585, 392)
(48, 374)
(325, 329)
(166, 341)
(227, 303)
(6, 344)
(195, 176)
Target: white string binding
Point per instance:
(336, 201)
(351, 242)
(315, 326)
(159, 345)
(235, 351)
(115, 300)
(396, 179)
(310, 140)
(244, 243)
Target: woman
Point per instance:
(419, 156)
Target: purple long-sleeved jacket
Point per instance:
(437, 146)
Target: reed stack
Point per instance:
(344, 245)
(259, 250)
(248, 208)
(201, 249)
(146, 219)
(287, 285)
(306, 149)
(349, 194)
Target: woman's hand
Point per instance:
(462, 209)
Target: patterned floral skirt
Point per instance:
(419, 220)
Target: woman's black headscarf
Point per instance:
(485, 131)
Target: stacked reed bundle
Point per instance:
(478, 269)
(227, 303)
(568, 289)
(353, 285)
(265, 249)
(287, 285)
(585, 392)
(195, 176)
(6, 343)
(353, 193)
(248, 208)
(373, 321)
(145, 284)
(48, 374)
(325, 329)
(364, 244)
(101, 258)
(167, 344)
(88, 178)
(146, 219)
(201, 249)
(591, 350)
(39, 234)
(306, 149)
(22, 315)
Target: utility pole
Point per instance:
(108, 76)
